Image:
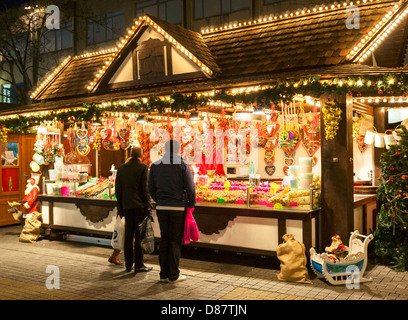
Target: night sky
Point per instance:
(10, 3)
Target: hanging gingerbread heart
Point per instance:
(106, 133)
(111, 144)
(92, 129)
(289, 161)
(124, 144)
(311, 140)
(270, 170)
(269, 161)
(269, 154)
(82, 142)
(81, 133)
(83, 150)
(124, 133)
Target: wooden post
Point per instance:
(337, 175)
(381, 124)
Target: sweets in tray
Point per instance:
(271, 195)
(94, 189)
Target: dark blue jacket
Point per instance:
(171, 182)
(131, 186)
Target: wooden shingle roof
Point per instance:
(295, 45)
(316, 39)
(73, 77)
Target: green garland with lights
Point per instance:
(277, 91)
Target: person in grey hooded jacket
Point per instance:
(171, 186)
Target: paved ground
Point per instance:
(85, 274)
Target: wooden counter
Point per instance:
(365, 212)
(222, 227)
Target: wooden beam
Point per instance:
(337, 175)
(381, 124)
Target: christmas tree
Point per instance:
(391, 234)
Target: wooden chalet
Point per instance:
(156, 58)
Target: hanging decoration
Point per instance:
(311, 138)
(289, 137)
(385, 85)
(310, 129)
(270, 170)
(145, 144)
(3, 133)
(331, 117)
(362, 146)
(356, 126)
(97, 142)
(124, 134)
(82, 140)
(109, 137)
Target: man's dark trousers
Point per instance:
(171, 233)
(133, 253)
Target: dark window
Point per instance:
(212, 8)
(9, 93)
(106, 27)
(169, 10)
(57, 39)
(271, 1)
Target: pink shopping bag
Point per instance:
(191, 232)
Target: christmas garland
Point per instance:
(286, 90)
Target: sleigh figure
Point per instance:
(347, 267)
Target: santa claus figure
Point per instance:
(337, 249)
(30, 199)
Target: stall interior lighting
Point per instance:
(141, 119)
(382, 99)
(259, 111)
(194, 116)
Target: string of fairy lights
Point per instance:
(387, 88)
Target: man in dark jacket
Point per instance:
(133, 202)
(172, 187)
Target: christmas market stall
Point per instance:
(274, 117)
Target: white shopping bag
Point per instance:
(118, 237)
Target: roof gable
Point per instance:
(151, 55)
(187, 57)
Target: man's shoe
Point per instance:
(164, 280)
(180, 278)
(144, 269)
(115, 261)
